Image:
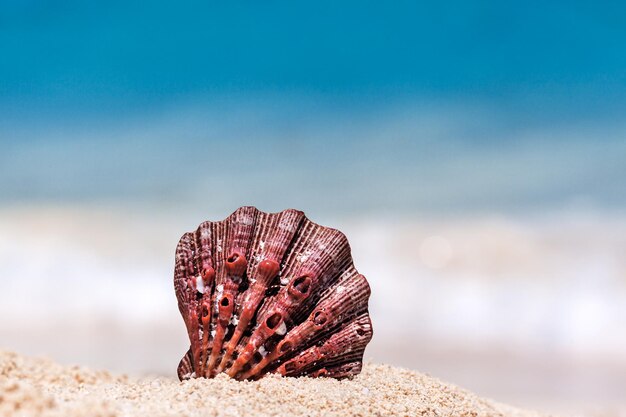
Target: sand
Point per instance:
(40, 387)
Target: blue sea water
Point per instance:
(410, 159)
(361, 106)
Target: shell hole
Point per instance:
(205, 311)
(360, 332)
(290, 367)
(232, 258)
(274, 320)
(230, 330)
(302, 284)
(257, 357)
(319, 318)
(225, 301)
(272, 290)
(285, 347)
(271, 344)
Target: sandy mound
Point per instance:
(39, 387)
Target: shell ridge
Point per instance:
(184, 284)
(218, 232)
(236, 245)
(346, 345)
(206, 270)
(258, 291)
(321, 265)
(265, 269)
(288, 225)
(326, 315)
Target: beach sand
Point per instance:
(40, 387)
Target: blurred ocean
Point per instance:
(332, 157)
(496, 255)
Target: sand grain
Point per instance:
(39, 387)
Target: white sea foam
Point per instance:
(553, 281)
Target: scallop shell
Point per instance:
(270, 293)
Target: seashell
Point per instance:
(270, 293)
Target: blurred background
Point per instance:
(473, 152)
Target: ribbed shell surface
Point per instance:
(270, 292)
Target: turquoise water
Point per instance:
(404, 158)
(124, 53)
(357, 108)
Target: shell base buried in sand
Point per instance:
(41, 388)
(270, 293)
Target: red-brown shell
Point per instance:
(270, 292)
